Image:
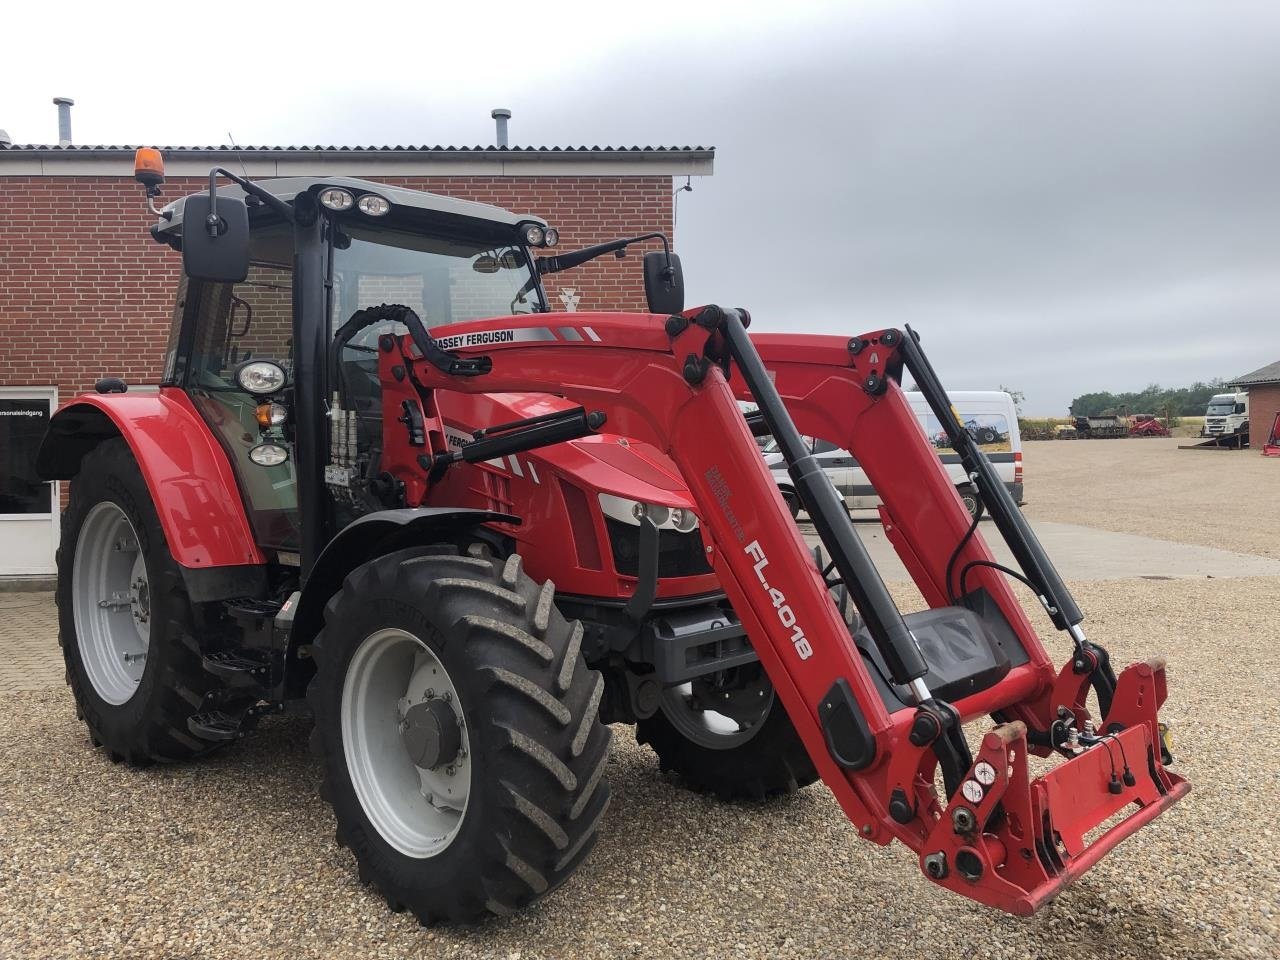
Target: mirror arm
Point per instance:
(274, 202)
(575, 258)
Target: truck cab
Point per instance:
(1227, 414)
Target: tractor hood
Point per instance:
(604, 462)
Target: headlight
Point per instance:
(684, 520)
(634, 512)
(534, 235)
(335, 198)
(551, 236)
(373, 205)
(261, 377)
(268, 454)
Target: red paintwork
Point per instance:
(603, 463)
(1145, 425)
(1272, 447)
(633, 374)
(191, 483)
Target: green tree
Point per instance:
(1018, 397)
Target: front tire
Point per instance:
(764, 759)
(125, 621)
(518, 738)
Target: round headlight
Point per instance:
(335, 198)
(684, 520)
(261, 377)
(551, 236)
(374, 205)
(639, 511)
(534, 235)
(268, 454)
(659, 514)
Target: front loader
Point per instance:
(232, 544)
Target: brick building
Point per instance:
(85, 292)
(1264, 401)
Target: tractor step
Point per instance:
(239, 668)
(215, 725)
(247, 608)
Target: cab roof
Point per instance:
(287, 188)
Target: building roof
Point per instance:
(116, 160)
(85, 148)
(1268, 374)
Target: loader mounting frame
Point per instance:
(997, 836)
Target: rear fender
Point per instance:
(191, 482)
(371, 536)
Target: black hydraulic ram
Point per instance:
(537, 432)
(1013, 526)
(827, 510)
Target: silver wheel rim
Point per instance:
(706, 726)
(111, 603)
(418, 811)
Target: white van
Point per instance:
(989, 416)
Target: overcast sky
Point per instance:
(1060, 196)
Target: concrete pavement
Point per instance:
(1087, 553)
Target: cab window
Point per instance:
(231, 325)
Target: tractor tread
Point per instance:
(538, 817)
(571, 653)
(537, 728)
(557, 710)
(505, 631)
(175, 686)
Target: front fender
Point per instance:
(373, 535)
(190, 479)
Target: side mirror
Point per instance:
(221, 255)
(663, 283)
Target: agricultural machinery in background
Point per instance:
(373, 451)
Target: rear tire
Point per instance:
(125, 621)
(527, 733)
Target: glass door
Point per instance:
(29, 506)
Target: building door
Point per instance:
(28, 505)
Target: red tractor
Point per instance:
(363, 387)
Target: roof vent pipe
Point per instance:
(501, 115)
(64, 120)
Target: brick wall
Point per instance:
(85, 292)
(1264, 404)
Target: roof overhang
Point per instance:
(321, 161)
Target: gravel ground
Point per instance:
(1216, 498)
(233, 857)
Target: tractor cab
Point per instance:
(273, 342)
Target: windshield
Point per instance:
(445, 280)
(1221, 408)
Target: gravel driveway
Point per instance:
(234, 857)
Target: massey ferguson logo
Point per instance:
(785, 614)
(476, 339)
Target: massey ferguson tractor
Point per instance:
(374, 449)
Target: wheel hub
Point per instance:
(430, 734)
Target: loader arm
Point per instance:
(861, 704)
